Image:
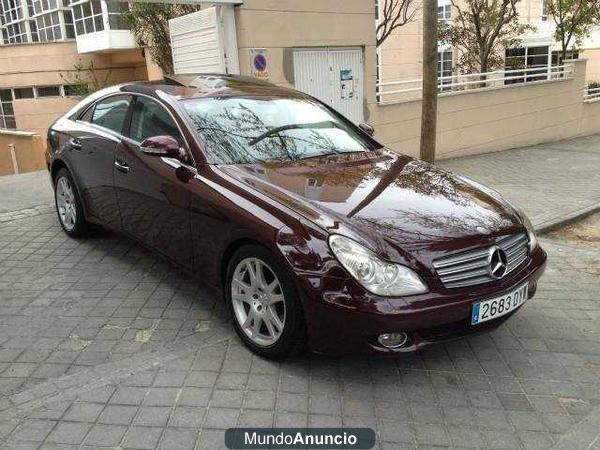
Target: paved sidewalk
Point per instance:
(549, 181)
(24, 191)
(103, 344)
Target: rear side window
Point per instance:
(87, 115)
(149, 118)
(111, 112)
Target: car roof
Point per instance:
(189, 86)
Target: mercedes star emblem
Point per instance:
(497, 263)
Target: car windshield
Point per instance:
(244, 130)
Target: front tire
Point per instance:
(264, 305)
(68, 205)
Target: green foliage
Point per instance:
(594, 85)
(574, 21)
(149, 22)
(86, 78)
(481, 30)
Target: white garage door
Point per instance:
(197, 44)
(334, 76)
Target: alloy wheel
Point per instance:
(65, 203)
(258, 301)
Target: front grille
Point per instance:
(471, 267)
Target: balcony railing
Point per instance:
(395, 91)
(591, 94)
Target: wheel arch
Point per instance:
(297, 338)
(230, 250)
(59, 164)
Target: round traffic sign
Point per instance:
(260, 62)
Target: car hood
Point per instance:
(401, 207)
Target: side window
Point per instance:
(111, 112)
(87, 115)
(149, 118)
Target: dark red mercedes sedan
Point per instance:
(315, 233)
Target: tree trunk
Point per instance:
(430, 82)
(483, 69)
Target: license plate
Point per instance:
(499, 306)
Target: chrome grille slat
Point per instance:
(480, 262)
(513, 251)
(513, 244)
(471, 282)
(444, 262)
(517, 262)
(470, 268)
(511, 240)
(464, 276)
(517, 253)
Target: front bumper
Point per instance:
(343, 318)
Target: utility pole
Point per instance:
(430, 81)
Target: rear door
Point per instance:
(92, 153)
(153, 196)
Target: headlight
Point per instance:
(530, 230)
(375, 275)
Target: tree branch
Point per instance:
(394, 14)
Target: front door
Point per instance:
(154, 202)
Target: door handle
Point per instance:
(121, 166)
(75, 144)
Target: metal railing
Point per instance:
(591, 94)
(403, 90)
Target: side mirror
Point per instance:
(367, 128)
(162, 146)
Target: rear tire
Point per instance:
(68, 205)
(264, 304)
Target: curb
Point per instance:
(579, 214)
(9, 216)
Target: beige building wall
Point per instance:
(282, 25)
(494, 119)
(401, 55)
(37, 115)
(46, 64)
(593, 64)
(23, 150)
(24, 65)
(530, 11)
(153, 70)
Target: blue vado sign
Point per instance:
(299, 438)
(259, 58)
(260, 62)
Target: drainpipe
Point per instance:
(13, 155)
(229, 36)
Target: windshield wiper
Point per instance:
(299, 126)
(329, 154)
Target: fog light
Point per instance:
(392, 340)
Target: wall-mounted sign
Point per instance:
(346, 84)
(259, 61)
